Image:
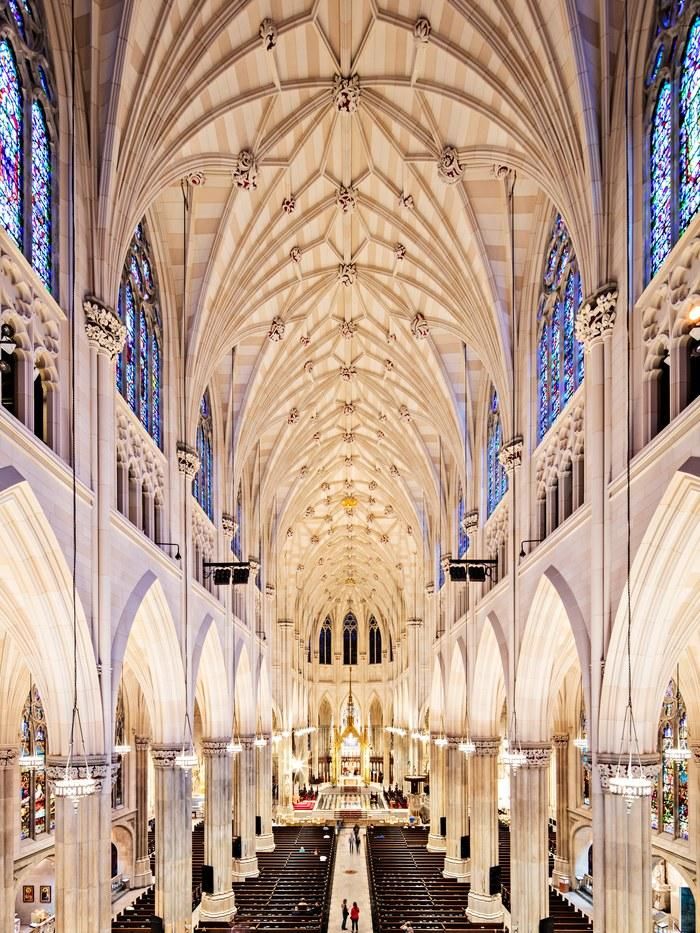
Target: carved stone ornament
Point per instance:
(560, 739)
(8, 756)
(293, 416)
(347, 373)
(309, 512)
(295, 254)
(348, 408)
(406, 200)
(142, 743)
(245, 171)
(229, 525)
(348, 437)
(647, 767)
(305, 340)
(470, 522)
(187, 459)
(347, 273)
(390, 337)
(511, 454)
(399, 252)
(404, 413)
(419, 327)
(289, 204)
(346, 199)
(394, 470)
(384, 539)
(290, 533)
(449, 169)
(380, 435)
(382, 417)
(389, 509)
(596, 316)
(388, 365)
(537, 756)
(309, 367)
(99, 768)
(196, 179)
(215, 748)
(486, 747)
(325, 486)
(268, 34)
(346, 93)
(348, 329)
(105, 332)
(373, 484)
(422, 29)
(277, 329)
(304, 471)
(315, 539)
(316, 438)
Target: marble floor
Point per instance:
(350, 881)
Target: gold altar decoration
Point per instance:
(339, 738)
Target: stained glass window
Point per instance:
(560, 359)
(119, 739)
(203, 480)
(496, 479)
(26, 121)
(669, 803)
(36, 802)
(325, 643)
(11, 130)
(237, 533)
(462, 536)
(375, 642)
(350, 639)
(139, 366)
(672, 90)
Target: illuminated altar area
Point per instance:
(350, 756)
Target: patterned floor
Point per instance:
(344, 800)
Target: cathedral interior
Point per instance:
(349, 466)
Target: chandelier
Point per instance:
(467, 746)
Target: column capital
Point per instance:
(247, 742)
(596, 315)
(487, 747)
(229, 525)
(470, 522)
(164, 756)
(187, 459)
(537, 754)
(510, 455)
(608, 764)
(8, 756)
(560, 739)
(142, 743)
(215, 748)
(99, 768)
(254, 567)
(105, 332)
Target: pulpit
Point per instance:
(414, 796)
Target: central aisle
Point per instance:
(350, 881)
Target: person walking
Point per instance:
(354, 916)
(351, 841)
(345, 912)
(357, 843)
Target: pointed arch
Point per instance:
(488, 681)
(210, 678)
(456, 692)
(437, 697)
(264, 697)
(244, 693)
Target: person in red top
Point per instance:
(354, 916)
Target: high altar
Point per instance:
(350, 759)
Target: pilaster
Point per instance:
(436, 841)
(9, 795)
(456, 811)
(142, 864)
(265, 841)
(529, 853)
(244, 810)
(173, 800)
(220, 904)
(562, 863)
(484, 904)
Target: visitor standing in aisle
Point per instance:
(351, 841)
(346, 913)
(354, 916)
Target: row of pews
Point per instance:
(406, 885)
(292, 892)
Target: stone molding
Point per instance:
(9, 756)
(99, 768)
(538, 754)
(105, 332)
(215, 748)
(247, 742)
(142, 743)
(164, 756)
(596, 316)
(254, 567)
(560, 739)
(510, 455)
(187, 459)
(648, 767)
(488, 747)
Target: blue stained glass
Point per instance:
(580, 354)
(44, 81)
(204, 481)
(543, 382)
(155, 389)
(120, 356)
(689, 142)
(136, 273)
(130, 348)
(209, 498)
(11, 130)
(569, 356)
(462, 537)
(41, 195)
(555, 364)
(196, 482)
(661, 178)
(497, 481)
(143, 370)
(147, 274)
(17, 16)
(651, 77)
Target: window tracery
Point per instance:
(119, 739)
(375, 642)
(325, 643)
(203, 480)
(26, 137)
(139, 365)
(37, 804)
(350, 639)
(496, 478)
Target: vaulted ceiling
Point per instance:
(348, 233)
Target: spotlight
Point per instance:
(476, 573)
(694, 314)
(222, 576)
(171, 544)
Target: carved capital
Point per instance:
(510, 455)
(164, 756)
(596, 316)
(346, 93)
(187, 459)
(648, 767)
(142, 743)
(247, 743)
(215, 748)
(8, 756)
(254, 567)
(105, 332)
(488, 747)
(97, 767)
(537, 754)
(470, 522)
(229, 525)
(560, 739)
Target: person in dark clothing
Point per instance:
(345, 912)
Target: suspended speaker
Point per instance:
(495, 879)
(546, 925)
(207, 879)
(236, 847)
(258, 826)
(443, 825)
(465, 849)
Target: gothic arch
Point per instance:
(437, 697)
(456, 692)
(210, 676)
(488, 681)
(264, 704)
(244, 693)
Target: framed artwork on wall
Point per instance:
(45, 894)
(27, 893)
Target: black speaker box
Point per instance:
(258, 826)
(495, 879)
(156, 925)
(465, 849)
(207, 879)
(546, 925)
(236, 847)
(443, 825)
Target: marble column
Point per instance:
(626, 843)
(456, 811)
(399, 760)
(244, 810)
(483, 824)
(386, 759)
(9, 795)
(314, 754)
(529, 853)
(436, 841)
(219, 905)
(173, 801)
(562, 864)
(142, 864)
(82, 851)
(265, 842)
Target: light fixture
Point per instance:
(121, 749)
(7, 344)
(296, 764)
(581, 742)
(415, 735)
(441, 741)
(30, 762)
(286, 733)
(276, 738)
(174, 544)
(528, 541)
(349, 502)
(514, 758)
(73, 787)
(187, 760)
(260, 741)
(234, 747)
(694, 313)
(467, 746)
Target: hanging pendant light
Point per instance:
(467, 746)
(187, 759)
(234, 747)
(581, 740)
(121, 749)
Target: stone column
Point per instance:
(626, 844)
(221, 904)
(9, 795)
(244, 810)
(386, 758)
(436, 841)
(399, 760)
(82, 853)
(562, 864)
(142, 864)
(314, 754)
(265, 842)
(484, 905)
(529, 854)
(456, 811)
(173, 801)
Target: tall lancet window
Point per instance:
(202, 485)
(496, 479)
(27, 135)
(462, 536)
(37, 807)
(559, 354)
(669, 802)
(375, 642)
(325, 643)
(350, 639)
(672, 107)
(139, 365)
